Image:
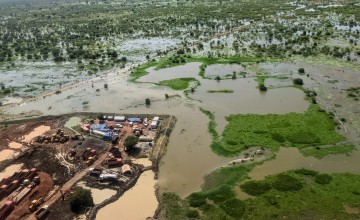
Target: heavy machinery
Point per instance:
(34, 205)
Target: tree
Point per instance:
(298, 81)
(301, 70)
(100, 116)
(106, 85)
(166, 96)
(234, 75)
(130, 142)
(263, 88)
(80, 200)
(147, 101)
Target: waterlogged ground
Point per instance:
(189, 154)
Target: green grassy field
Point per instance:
(221, 91)
(320, 152)
(177, 84)
(272, 131)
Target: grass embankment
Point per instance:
(294, 194)
(320, 152)
(141, 70)
(178, 84)
(312, 128)
(221, 91)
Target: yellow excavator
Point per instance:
(34, 205)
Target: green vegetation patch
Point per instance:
(173, 207)
(230, 60)
(285, 183)
(234, 207)
(177, 84)
(272, 131)
(141, 70)
(221, 91)
(293, 194)
(255, 188)
(317, 201)
(323, 179)
(320, 152)
(80, 200)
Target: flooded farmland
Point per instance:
(188, 152)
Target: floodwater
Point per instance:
(138, 203)
(36, 132)
(291, 158)
(143, 161)
(247, 99)
(98, 195)
(189, 157)
(183, 71)
(7, 154)
(15, 145)
(222, 70)
(10, 170)
(72, 122)
(10, 100)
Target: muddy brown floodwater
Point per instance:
(36, 132)
(188, 156)
(7, 154)
(291, 158)
(99, 195)
(138, 203)
(10, 170)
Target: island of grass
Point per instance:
(294, 194)
(178, 84)
(302, 130)
(221, 91)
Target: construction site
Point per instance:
(43, 159)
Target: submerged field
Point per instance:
(227, 67)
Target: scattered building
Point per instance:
(120, 118)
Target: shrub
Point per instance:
(255, 188)
(192, 213)
(147, 101)
(130, 142)
(234, 207)
(303, 137)
(284, 182)
(80, 200)
(196, 200)
(220, 194)
(301, 70)
(263, 88)
(323, 179)
(298, 81)
(306, 172)
(277, 137)
(100, 116)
